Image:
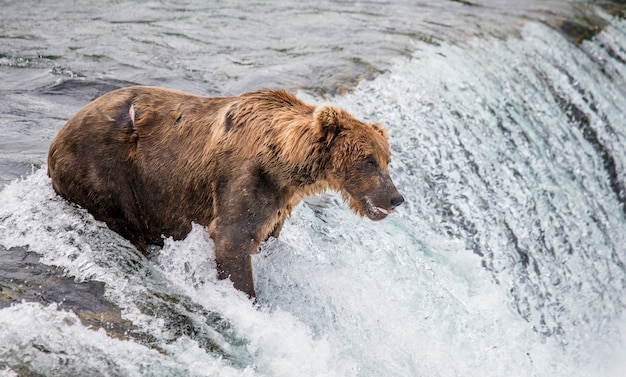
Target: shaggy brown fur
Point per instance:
(150, 161)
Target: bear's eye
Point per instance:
(370, 162)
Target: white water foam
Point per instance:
(55, 343)
(68, 237)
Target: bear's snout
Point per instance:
(377, 207)
(396, 200)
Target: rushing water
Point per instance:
(507, 259)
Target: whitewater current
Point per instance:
(507, 258)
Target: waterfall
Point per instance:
(507, 259)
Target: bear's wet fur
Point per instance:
(149, 161)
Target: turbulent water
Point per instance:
(507, 259)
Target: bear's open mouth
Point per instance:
(375, 212)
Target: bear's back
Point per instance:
(127, 154)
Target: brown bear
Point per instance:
(150, 161)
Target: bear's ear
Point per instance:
(327, 120)
(381, 129)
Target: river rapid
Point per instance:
(508, 136)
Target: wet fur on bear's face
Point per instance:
(359, 167)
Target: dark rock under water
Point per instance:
(24, 278)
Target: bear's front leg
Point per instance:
(232, 256)
(246, 203)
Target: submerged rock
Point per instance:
(586, 22)
(24, 278)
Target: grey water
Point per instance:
(507, 129)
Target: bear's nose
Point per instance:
(396, 201)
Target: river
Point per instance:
(508, 137)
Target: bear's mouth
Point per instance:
(374, 212)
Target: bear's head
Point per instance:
(359, 157)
